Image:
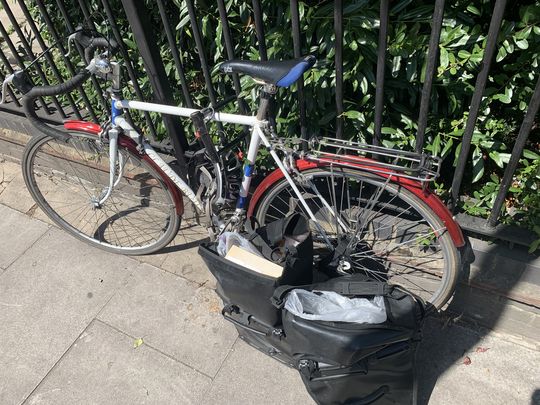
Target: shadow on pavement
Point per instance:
(445, 345)
(535, 399)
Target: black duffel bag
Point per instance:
(251, 291)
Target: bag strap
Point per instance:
(259, 242)
(346, 288)
(273, 233)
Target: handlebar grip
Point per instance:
(31, 95)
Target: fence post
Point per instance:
(381, 57)
(297, 48)
(438, 13)
(137, 15)
(494, 28)
(338, 58)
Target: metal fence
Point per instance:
(18, 43)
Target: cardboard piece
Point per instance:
(253, 262)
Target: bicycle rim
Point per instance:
(67, 178)
(396, 237)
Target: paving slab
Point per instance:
(47, 298)
(16, 196)
(189, 236)
(173, 315)
(188, 264)
(104, 367)
(250, 377)
(182, 257)
(500, 372)
(22, 233)
(8, 170)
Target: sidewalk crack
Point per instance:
(25, 401)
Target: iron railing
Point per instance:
(137, 15)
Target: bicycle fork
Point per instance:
(114, 175)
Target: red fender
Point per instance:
(414, 187)
(128, 143)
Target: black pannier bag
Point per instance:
(339, 362)
(352, 363)
(251, 291)
(344, 343)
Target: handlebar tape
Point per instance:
(38, 91)
(90, 45)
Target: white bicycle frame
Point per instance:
(257, 135)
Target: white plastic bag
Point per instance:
(228, 239)
(331, 306)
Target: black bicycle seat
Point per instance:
(282, 73)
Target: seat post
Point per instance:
(267, 94)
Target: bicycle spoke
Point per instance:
(71, 177)
(390, 236)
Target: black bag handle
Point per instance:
(229, 309)
(343, 287)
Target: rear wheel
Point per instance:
(391, 234)
(67, 178)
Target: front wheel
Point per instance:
(391, 234)
(67, 179)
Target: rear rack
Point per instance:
(378, 159)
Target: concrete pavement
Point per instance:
(71, 317)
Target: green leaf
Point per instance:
(388, 130)
(501, 54)
(325, 119)
(447, 148)
(499, 158)
(530, 14)
(534, 246)
(478, 164)
(364, 85)
(473, 10)
(444, 58)
(505, 98)
(436, 146)
(182, 22)
(352, 114)
(524, 33)
(522, 43)
(528, 154)
(509, 46)
(396, 64)
(463, 54)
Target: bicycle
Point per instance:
(369, 207)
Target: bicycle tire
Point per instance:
(138, 218)
(412, 219)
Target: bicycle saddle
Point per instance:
(281, 73)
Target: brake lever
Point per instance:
(7, 80)
(71, 38)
